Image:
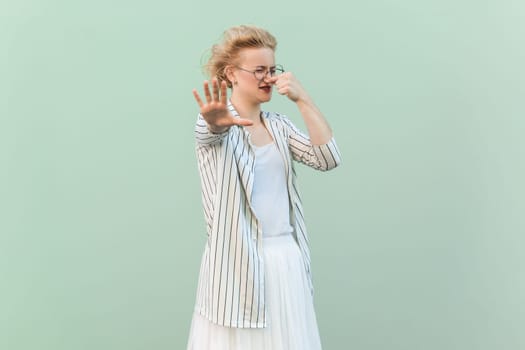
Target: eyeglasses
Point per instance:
(261, 73)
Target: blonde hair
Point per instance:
(233, 41)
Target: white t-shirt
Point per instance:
(270, 191)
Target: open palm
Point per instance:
(215, 110)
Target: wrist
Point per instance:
(304, 99)
(217, 129)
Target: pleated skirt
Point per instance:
(291, 318)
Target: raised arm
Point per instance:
(318, 129)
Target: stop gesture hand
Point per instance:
(215, 110)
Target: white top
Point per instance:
(270, 199)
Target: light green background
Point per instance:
(417, 239)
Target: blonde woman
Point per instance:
(255, 286)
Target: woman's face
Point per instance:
(248, 87)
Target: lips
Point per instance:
(266, 88)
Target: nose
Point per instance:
(269, 77)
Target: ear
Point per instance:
(229, 72)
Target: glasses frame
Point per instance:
(277, 67)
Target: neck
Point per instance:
(246, 110)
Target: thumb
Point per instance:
(243, 122)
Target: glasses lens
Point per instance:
(277, 70)
(260, 74)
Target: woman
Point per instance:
(255, 287)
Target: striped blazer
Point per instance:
(230, 290)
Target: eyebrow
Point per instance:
(274, 66)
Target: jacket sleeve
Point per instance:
(203, 135)
(320, 157)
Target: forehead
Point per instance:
(255, 57)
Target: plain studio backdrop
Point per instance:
(417, 238)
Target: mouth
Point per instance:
(266, 88)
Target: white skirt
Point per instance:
(291, 319)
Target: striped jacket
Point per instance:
(230, 291)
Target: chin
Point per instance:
(265, 99)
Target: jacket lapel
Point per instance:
(243, 155)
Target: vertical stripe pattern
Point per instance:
(231, 280)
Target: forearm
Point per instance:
(318, 128)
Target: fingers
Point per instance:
(214, 95)
(215, 87)
(284, 77)
(223, 92)
(242, 122)
(286, 84)
(207, 91)
(197, 98)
